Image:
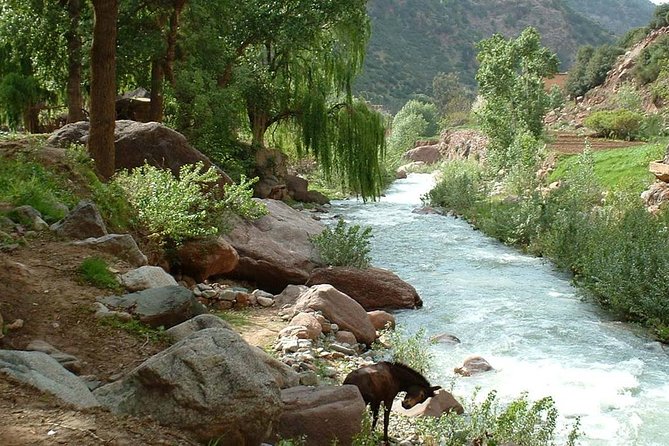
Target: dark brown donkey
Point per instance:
(380, 383)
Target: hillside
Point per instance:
(413, 40)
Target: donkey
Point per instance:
(380, 383)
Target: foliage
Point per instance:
(460, 187)
(590, 68)
(18, 94)
(652, 60)
(520, 422)
(174, 209)
(344, 245)
(510, 80)
(556, 98)
(409, 124)
(26, 182)
(366, 436)
(660, 17)
(413, 350)
(95, 271)
(617, 124)
(238, 199)
(451, 96)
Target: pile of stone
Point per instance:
(218, 296)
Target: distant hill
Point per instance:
(413, 40)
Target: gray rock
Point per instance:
(70, 362)
(276, 250)
(164, 306)
(265, 301)
(323, 414)
(122, 246)
(83, 222)
(146, 277)
(30, 217)
(39, 370)
(102, 312)
(185, 329)
(342, 349)
(211, 384)
(290, 294)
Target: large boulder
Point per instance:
(83, 222)
(441, 403)
(122, 246)
(158, 307)
(373, 288)
(298, 189)
(340, 309)
(211, 384)
(473, 366)
(40, 370)
(138, 142)
(381, 320)
(203, 258)
(309, 322)
(324, 415)
(276, 250)
(426, 154)
(147, 277)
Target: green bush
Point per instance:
(652, 60)
(413, 351)
(345, 245)
(95, 271)
(520, 422)
(460, 187)
(618, 124)
(175, 209)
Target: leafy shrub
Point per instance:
(238, 199)
(556, 98)
(620, 124)
(174, 209)
(652, 60)
(95, 271)
(590, 68)
(520, 422)
(413, 351)
(345, 245)
(460, 187)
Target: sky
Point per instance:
(657, 2)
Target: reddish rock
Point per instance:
(204, 258)
(472, 366)
(381, 319)
(426, 154)
(324, 415)
(373, 288)
(442, 402)
(340, 309)
(346, 337)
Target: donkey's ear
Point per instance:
(435, 388)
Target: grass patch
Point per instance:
(95, 271)
(623, 169)
(236, 318)
(25, 182)
(136, 328)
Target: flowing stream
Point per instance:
(523, 316)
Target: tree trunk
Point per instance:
(157, 78)
(103, 87)
(75, 102)
(259, 121)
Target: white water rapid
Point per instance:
(523, 316)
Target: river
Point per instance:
(523, 316)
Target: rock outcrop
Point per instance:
(211, 384)
(373, 288)
(276, 250)
(425, 154)
(82, 222)
(137, 143)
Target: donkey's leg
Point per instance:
(386, 420)
(375, 414)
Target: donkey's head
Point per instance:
(416, 394)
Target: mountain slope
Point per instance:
(413, 40)
(617, 16)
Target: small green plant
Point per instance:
(95, 271)
(460, 187)
(366, 436)
(345, 245)
(413, 350)
(136, 328)
(520, 422)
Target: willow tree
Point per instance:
(292, 63)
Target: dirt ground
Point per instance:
(39, 284)
(574, 143)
